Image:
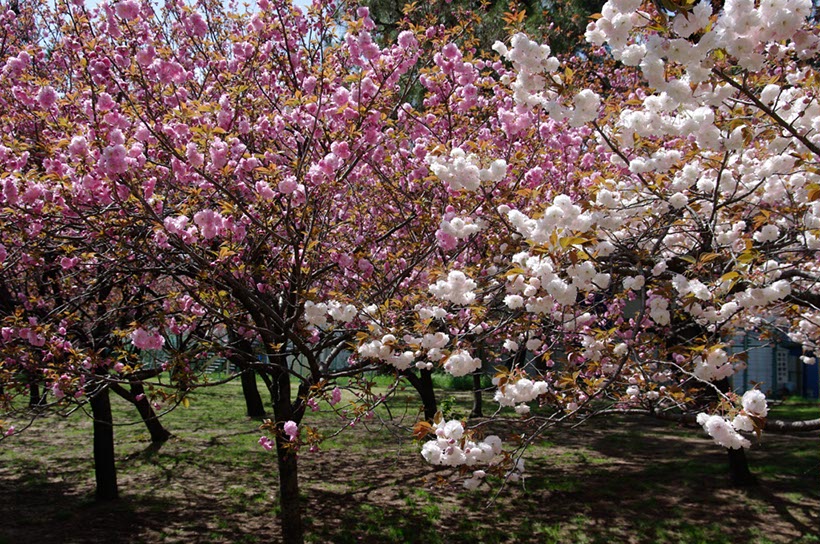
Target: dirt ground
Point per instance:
(633, 480)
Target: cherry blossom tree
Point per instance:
(606, 226)
(256, 169)
(684, 219)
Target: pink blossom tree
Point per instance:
(275, 178)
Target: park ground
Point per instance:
(624, 479)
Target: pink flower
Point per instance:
(195, 158)
(56, 391)
(198, 25)
(113, 159)
(291, 429)
(407, 40)
(47, 97)
(219, 154)
(335, 396)
(127, 9)
(9, 432)
(144, 339)
(314, 406)
(264, 190)
(288, 185)
(266, 443)
(210, 223)
(78, 146)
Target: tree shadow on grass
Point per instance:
(36, 507)
(631, 481)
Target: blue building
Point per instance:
(775, 366)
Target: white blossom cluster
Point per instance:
(462, 170)
(384, 350)
(533, 65)
(419, 351)
(714, 366)
(316, 314)
(452, 448)
(456, 288)
(431, 343)
(561, 217)
(536, 71)
(724, 432)
(740, 30)
(751, 298)
(541, 287)
(519, 392)
(459, 227)
(461, 363)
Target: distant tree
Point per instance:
(561, 24)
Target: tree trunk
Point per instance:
(739, 473)
(159, 434)
(104, 469)
(33, 394)
(292, 528)
(477, 410)
(253, 401)
(293, 531)
(423, 384)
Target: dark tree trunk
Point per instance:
(293, 531)
(33, 394)
(423, 384)
(739, 473)
(253, 401)
(477, 410)
(159, 434)
(292, 528)
(243, 357)
(269, 385)
(104, 469)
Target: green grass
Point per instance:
(622, 479)
(795, 409)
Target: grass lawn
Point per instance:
(615, 480)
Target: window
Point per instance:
(782, 361)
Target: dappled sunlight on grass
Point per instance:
(617, 480)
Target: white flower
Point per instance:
(522, 409)
(754, 402)
(461, 363)
(316, 314)
(678, 200)
(457, 288)
(767, 233)
(743, 423)
(586, 108)
(520, 392)
(534, 343)
(722, 432)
